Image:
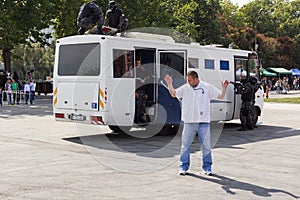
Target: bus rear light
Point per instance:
(98, 120)
(59, 115)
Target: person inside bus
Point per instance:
(196, 96)
(140, 93)
(90, 15)
(115, 18)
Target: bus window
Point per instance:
(224, 65)
(79, 60)
(123, 64)
(241, 68)
(172, 64)
(209, 64)
(193, 62)
(253, 65)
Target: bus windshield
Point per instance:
(79, 60)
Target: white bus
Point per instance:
(95, 78)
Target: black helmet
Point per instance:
(244, 81)
(253, 80)
(112, 4)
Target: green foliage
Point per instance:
(37, 57)
(64, 23)
(273, 25)
(148, 13)
(22, 21)
(284, 100)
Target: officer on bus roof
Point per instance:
(90, 15)
(115, 17)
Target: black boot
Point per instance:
(242, 128)
(81, 31)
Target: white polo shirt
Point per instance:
(196, 101)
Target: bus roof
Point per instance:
(144, 37)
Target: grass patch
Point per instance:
(284, 100)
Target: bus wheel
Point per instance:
(255, 115)
(119, 129)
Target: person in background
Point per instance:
(196, 96)
(27, 91)
(9, 91)
(0, 96)
(14, 86)
(15, 76)
(32, 91)
(3, 79)
(90, 15)
(255, 87)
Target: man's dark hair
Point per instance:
(192, 74)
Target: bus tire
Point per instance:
(119, 129)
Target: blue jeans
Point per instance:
(188, 135)
(9, 98)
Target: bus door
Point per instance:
(121, 88)
(172, 63)
(145, 85)
(241, 72)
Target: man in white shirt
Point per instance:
(26, 91)
(196, 96)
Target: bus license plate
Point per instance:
(77, 117)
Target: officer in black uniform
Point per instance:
(246, 116)
(255, 87)
(115, 17)
(3, 79)
(90, 15)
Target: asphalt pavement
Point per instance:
(45, 159)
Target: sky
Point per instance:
(240, 2)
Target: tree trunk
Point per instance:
(7, 60)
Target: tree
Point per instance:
(21, 22)
(206, 17)
(147, 13)
(64, 23)
(36, 57)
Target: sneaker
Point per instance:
(208, 172)
(182, 172)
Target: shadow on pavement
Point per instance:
(229, 184)
(42, 107)
(229, 138)
(127, 143)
